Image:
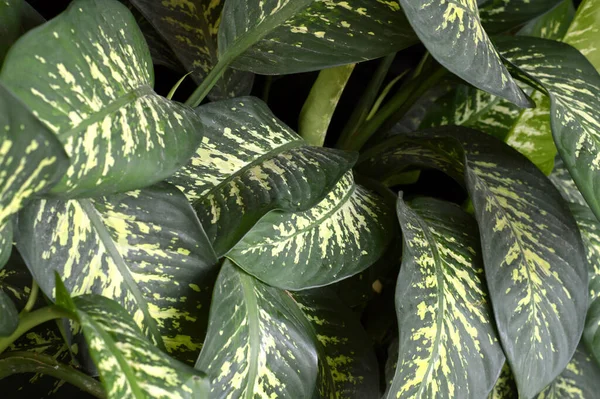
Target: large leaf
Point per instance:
(501, 15)
(264, 342)
(278, 37)
(452, 32)
(145, 249)
(128, 364)
(448, 346)
(573, 86)
(534, 258)
(87, 74)
(583, 32)
(340, 236)
(250, 163)
(191, 29)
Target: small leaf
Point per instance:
(250, 163)
(145, 249)
(129, 366)
(452, 32)
(448, 346)
(340, 236)
(9, 316)
(87, 74)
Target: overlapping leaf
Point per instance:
(340, 236)
(584, 31)
(9, 315)
(452, 32)
(505, 387)
(501, 15)
(533, 255)
(562, 180)
(145, 249)
(128, 364)
(191, 29)
(87, 74)
(279, 37)
(448, 346)
(250, 163)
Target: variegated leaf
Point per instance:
(573, 86)
(128, 364)
(145, 249)
(561, 179)
(452, 32)
(505, 387)
(584, 31)
(279, 37)
(533, 255)
(448, 346)
(502, 15)
(257, 344)
(191, 28)
(250, 163)
(87, 74)
(6, 243)
(340, 236)
(553, 24)
(9, 316)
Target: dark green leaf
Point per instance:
(9, 316)
(505, 387)
(552, 24)
(340, 236)
(129, 366)
(566, 186)
(145, 249)
(250, 163)
(452, 32)
(10, 24)
(87, 74)
(448, 346)
(501, 15)
(6, 242)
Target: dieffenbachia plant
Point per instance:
(448, 246)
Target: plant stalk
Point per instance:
(207, 84)
(33, 294)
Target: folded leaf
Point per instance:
(448, 345)
(87, 74)
(340, 236)
(145, 249)
(250, 163)
(129, 365)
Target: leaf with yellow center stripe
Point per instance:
(533, 254)
(191, 28)
(340, 236)
(145, 249)
(453, 34)
(266, 343)
(87, 74)
(250, 163)
(448, 346)
(130, 367)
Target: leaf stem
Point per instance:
(30, 320)
(207, 84)
(35, 289)
(32, 362)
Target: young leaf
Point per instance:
(87, 74)
(250, 163)
(452, 32)
(448, 345)
(145, 249)
(129, 365)
(340, 236)
(534, 258)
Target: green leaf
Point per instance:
(534, 259)
(129, 365)
(250, 163)
(448, 346)
(191, 28)
(452, 32)
(263, 341)
(281, 37)
(552, 24)
(573, 86)
(9, 319)
(340, 236)
(501, 15)
(145, 249)
(505, 387)
(561, 179)
(87, 74)
(583, 32)
(6, 242)
(10, 24)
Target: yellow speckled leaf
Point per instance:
(145, 249)
(340, 236)
(584, 31)
(87, 74)
(448, 346)
(505, 387)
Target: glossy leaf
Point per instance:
(452, 32)
(501, 15)
(118, 133)
(533, 255)
(448, 346)
(340, 236)
(250, 163)
(129, 366)
(145, 249)
(9, 316)
(280, 37)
